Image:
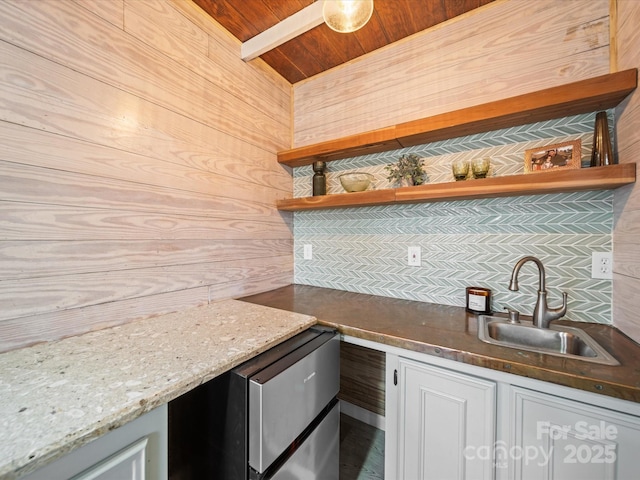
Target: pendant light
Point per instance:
(346, 16)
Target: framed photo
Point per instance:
(551, 158)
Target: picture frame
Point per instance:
(550, 158)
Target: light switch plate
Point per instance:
(308, 252)
(602, 265)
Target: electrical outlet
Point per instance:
(308, 252)
(413, 257)
(602, 265)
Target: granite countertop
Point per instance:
(55, 397)
(450, 332)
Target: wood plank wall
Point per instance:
(626, 234)
(138, 172)
(505, 48)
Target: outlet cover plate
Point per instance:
(602, 265)
(413, 257)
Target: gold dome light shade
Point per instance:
(346, 16)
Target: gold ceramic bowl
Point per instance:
(355, 181)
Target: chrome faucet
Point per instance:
(542, 314)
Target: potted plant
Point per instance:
(408, 169)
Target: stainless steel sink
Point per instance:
(559, 340)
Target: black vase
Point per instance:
(602, 153)
(319, 179)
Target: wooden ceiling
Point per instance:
(321, 48)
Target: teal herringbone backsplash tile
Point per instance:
(465, 243)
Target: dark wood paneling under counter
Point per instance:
(362, 377)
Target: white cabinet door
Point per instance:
(136, 450)
(128, 464)
(561, 439)
(446, 424)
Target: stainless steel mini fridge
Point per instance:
(274, 417)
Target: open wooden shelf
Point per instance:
(598, 93)
(562, 181)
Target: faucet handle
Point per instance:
(514, 315)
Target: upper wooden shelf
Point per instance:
(562, 181)
(598, 93)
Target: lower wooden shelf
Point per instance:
(563, 181)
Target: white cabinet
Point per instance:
(127, 464)
(558, 438)
(136, 451)
(449, 420)
(445, 423)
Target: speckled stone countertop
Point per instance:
(57, 396)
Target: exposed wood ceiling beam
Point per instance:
(298, 23)
(320, 48)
